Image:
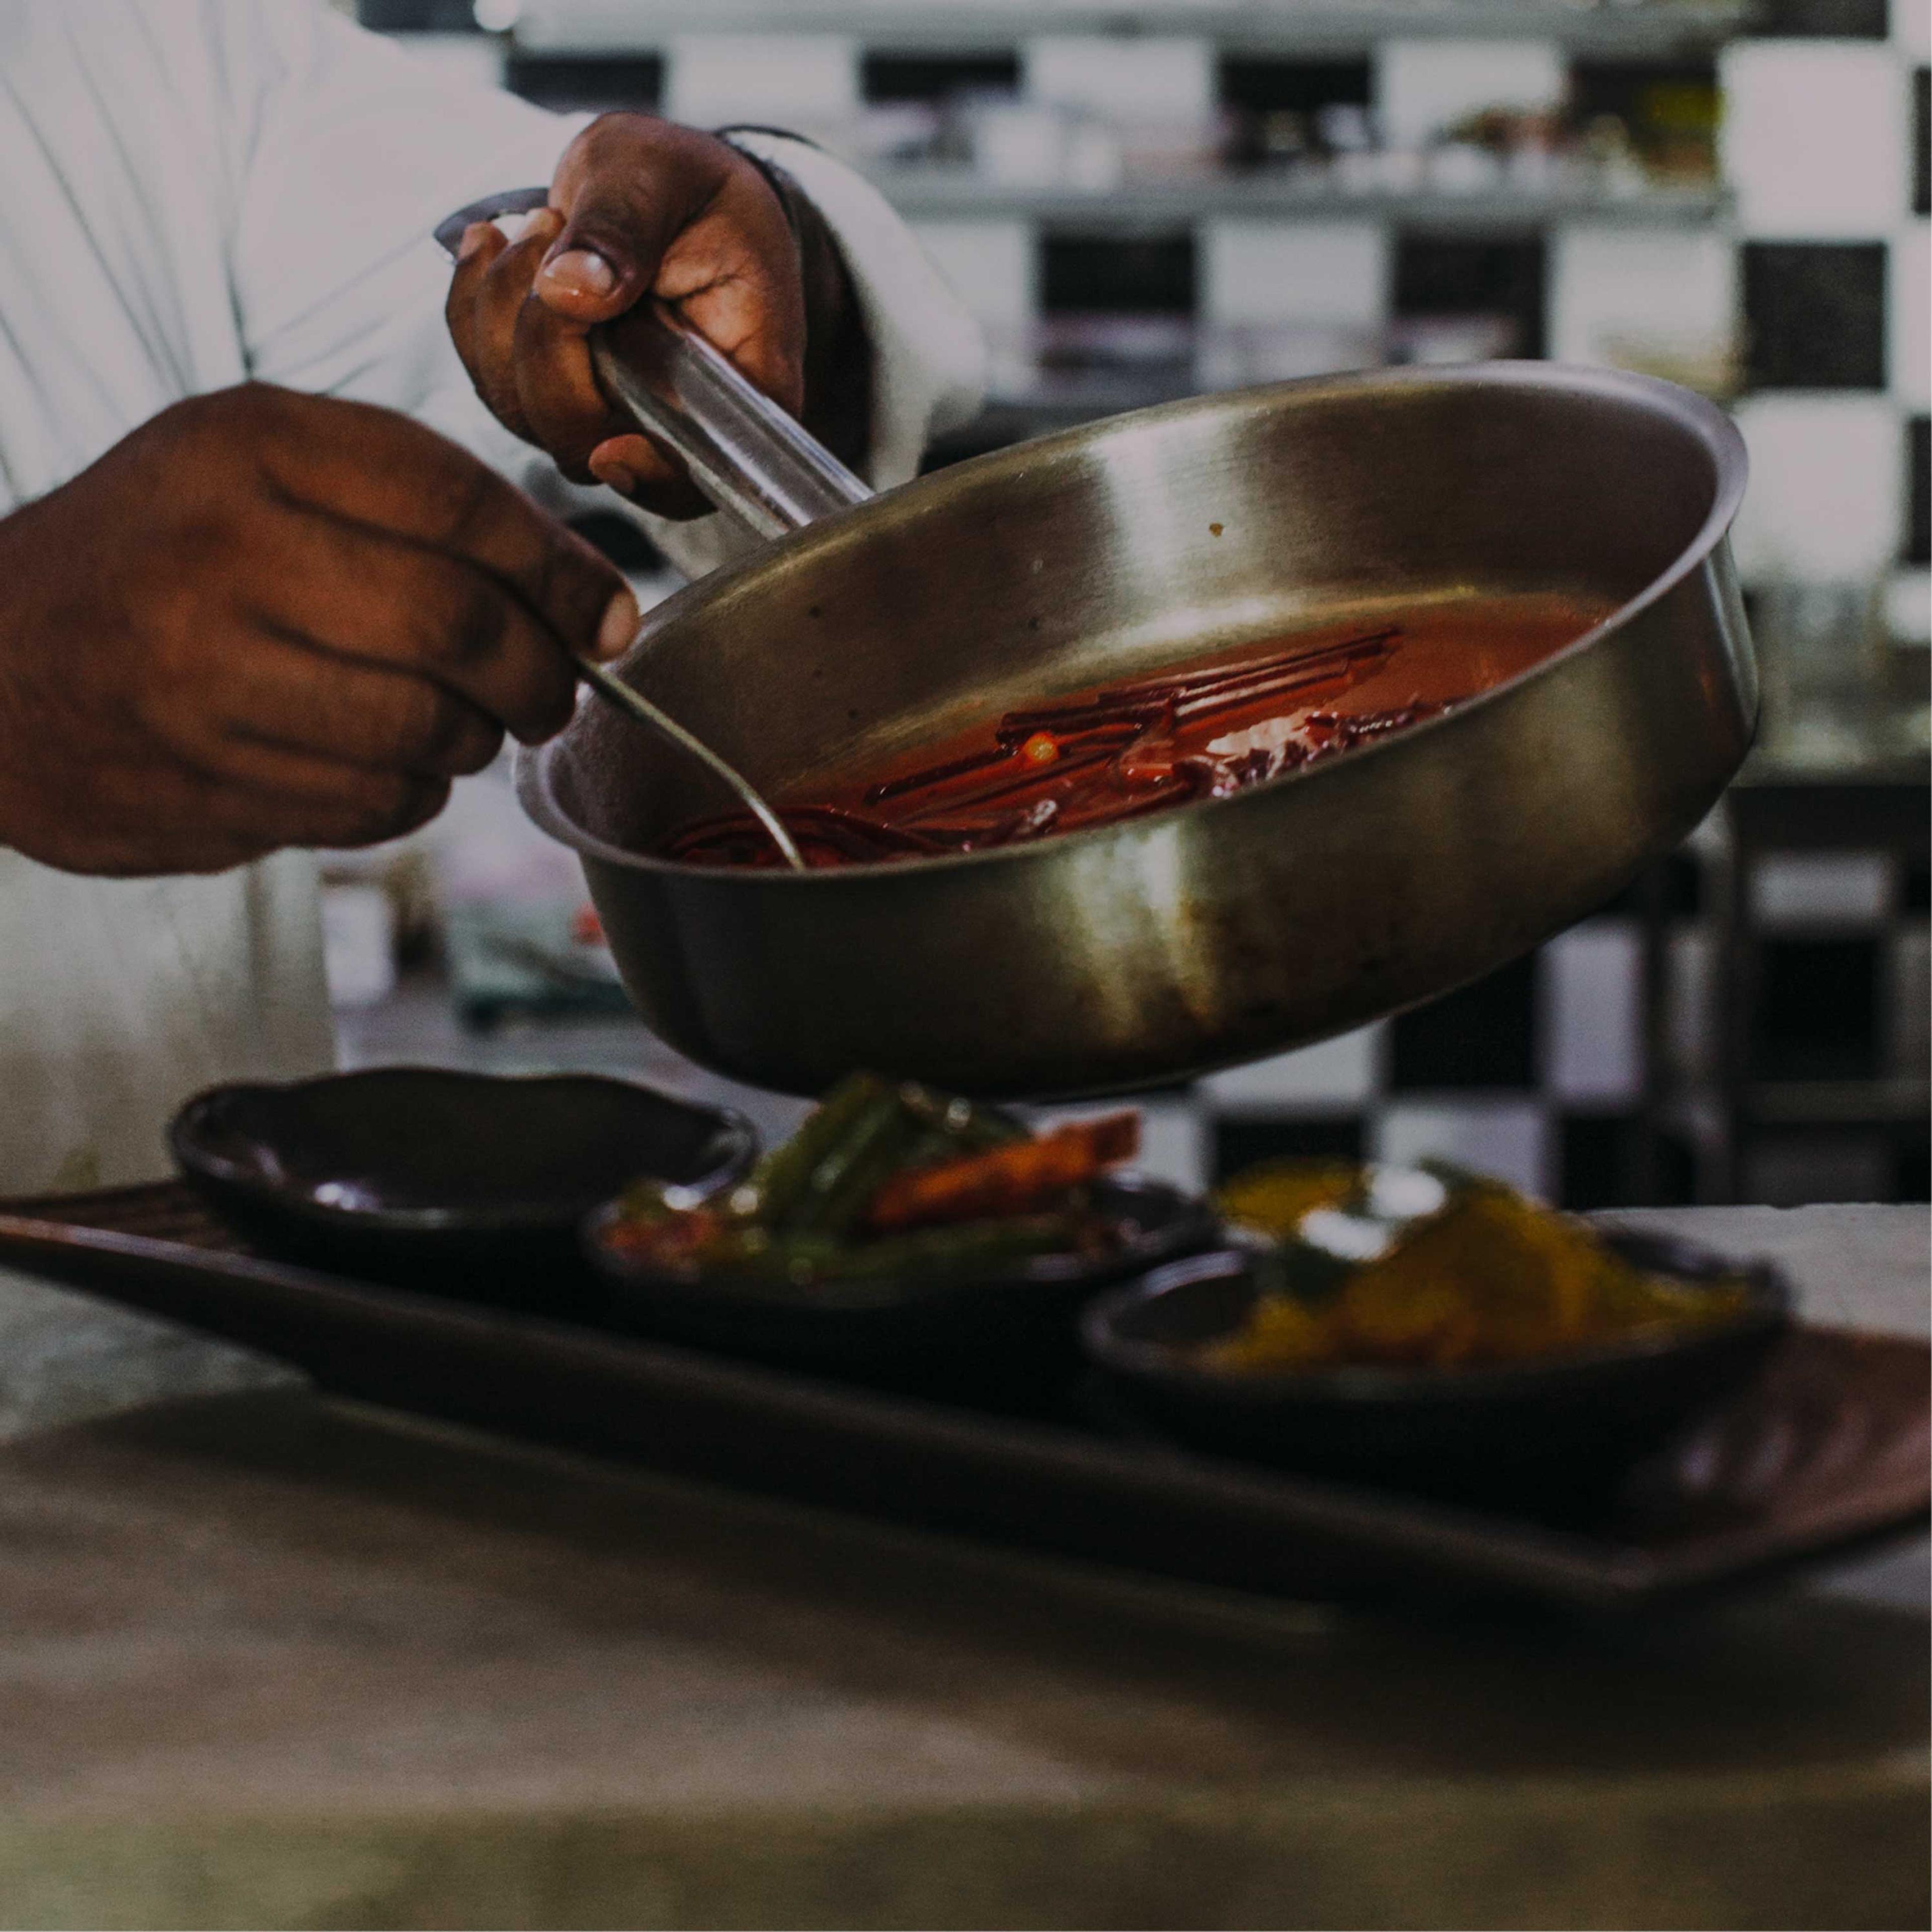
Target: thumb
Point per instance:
(606, 257)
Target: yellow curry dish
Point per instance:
(1428, 1268)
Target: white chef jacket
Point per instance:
(193, 193)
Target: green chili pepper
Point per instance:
(850, 1173)
(969, 1128)
(928, 1148)
(795, 1219)
(780, 1179)
(809, 1261)
(965, 1246)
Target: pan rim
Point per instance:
(1695, 415)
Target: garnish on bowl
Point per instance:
(1428, 1268)
(885, 1178)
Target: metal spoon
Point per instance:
(612, 689)
(616, 693)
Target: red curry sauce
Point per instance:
(1205, 729)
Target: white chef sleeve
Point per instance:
(352, 150)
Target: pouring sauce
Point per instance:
(1206, 728)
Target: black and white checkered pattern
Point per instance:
(1813, 269)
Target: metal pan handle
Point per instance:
(742, 450)
(751, 459)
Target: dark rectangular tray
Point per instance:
(1827, 1449)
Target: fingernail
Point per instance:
(583, 272)
(614, 475)
(473, 238)
(621, 619)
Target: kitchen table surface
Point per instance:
(272, 1660)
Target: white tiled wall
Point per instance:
(1154, 79)
(1827, 474)
(1912, 28)
(1509, 1138)
(1173, 1145)
(1814, 138)
(1908, 606)
(992, 265)
(1342, 1074)
(1591, 1015)
(1615, 289)
(1257, 272)
(806, 80)
(1908, 303)
(1812, 888)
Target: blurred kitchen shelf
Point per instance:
(957, 194)
(1636, 29)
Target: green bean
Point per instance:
(966, 1246)
(796, 1217)
(777, 1194)
(782, 1177)
(970, 1128)
(806, 1262)
(928, 1148)
(849, 1174)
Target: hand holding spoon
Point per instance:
(675, 385)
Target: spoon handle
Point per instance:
(749, 456)
(614, 690)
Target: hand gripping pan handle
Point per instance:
(750, 458)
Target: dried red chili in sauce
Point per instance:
(1205, 730)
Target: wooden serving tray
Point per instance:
(1829, 1447)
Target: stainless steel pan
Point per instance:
(1140, 953)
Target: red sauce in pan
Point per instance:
(1206, 728)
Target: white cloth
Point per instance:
(193, 193)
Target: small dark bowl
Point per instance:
(1553, 1434)
(464, 1183)
(1010, 1337)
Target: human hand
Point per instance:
(643, 208)
(267, 619)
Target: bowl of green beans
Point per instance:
(903, 1236)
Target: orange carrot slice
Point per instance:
(1015, 1178)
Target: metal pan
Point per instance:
(1139, 953)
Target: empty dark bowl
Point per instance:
(1011, 1335)
(1554, 1433)
(463, 1182)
